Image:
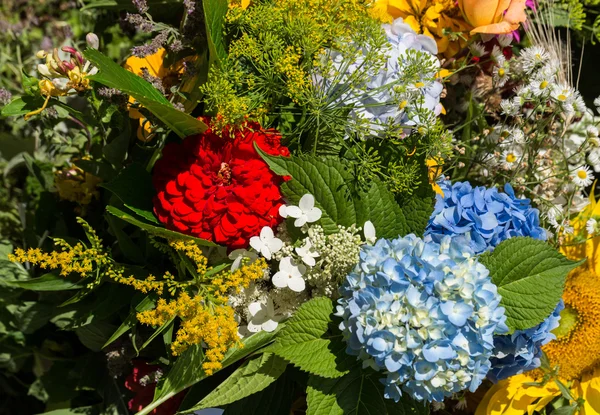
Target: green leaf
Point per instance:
(305, 343)
(253, 376)
(417, 211)
(214, 17)
(565, 410)
(82, 410)
(329, 180)
(357, 393)
(116, 151)
(146, 304)
(44, 175)
(276, 399)
(133, 186)
(530, 276)
(187, 370)
(94, 335)
(22, 105)
(155, 230)
(114, 76)
(47, 282)
(165, 327)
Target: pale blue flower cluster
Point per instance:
(522, 350)
(424, 313)
(485, 217)
(404, 92)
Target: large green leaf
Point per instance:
(530, 276)
(146, 304)
(276, 399)
(307, 343)
(214, 18)
(113, 76)
(329, 180)
(22, 105)
(252, 377)
(155, 230)
(187, 370)
(357, 393)
(47, 282)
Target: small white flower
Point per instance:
(290, 275)
(593, 159)
(591, 226)
(582, 176)
(238, 255)
(533, 57)
(591, 131)
(262, 317)
(597, 104)
(511, 158)
(369, 231)
(477, 49)
(267, 244)
(307, 253)
(510, 107)
(305, 212)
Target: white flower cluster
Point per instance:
(314, 265)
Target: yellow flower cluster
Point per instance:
(240, 278)
(200, 323)
(193, 252)
(75, 185)
(438, 19)
(295, 78)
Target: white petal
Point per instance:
(283, 211)
(254, 308)
(254, 328)
(265, 251)
(256, 243)
(236, 253)
(280, 279)
(313, 215)
(236, 263)
(43, 70)
(285, 265)
(297, 284)
(307, 202)
(298, 270)
(298, 223)
(293, 211)
(369, 230)
(308, 260)
(275, 244)
(93, 71)
(269, 325)
(266, 233)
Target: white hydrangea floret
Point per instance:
(290, 275)
(267, 244)
(262, 316)
(305, 212)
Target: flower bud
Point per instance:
(92, 40)
(41, 54)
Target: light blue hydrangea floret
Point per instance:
(522, 350)
(423, 313)
(485, 217)
(405, 86)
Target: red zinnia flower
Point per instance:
(142, 382)
(217, 187)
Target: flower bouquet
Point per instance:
(297, 207)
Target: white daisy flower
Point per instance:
(511, 157)
(591, 226)
(582, 176)
(533, 57)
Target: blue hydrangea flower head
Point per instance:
(522, 350)
(485, 217)
(404, 92)
(423, 313)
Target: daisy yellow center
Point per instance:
(501, 72)
(419, 85)
(403, 104)
(582, 174)
(544, 85)
(562, 97)
(511, 158)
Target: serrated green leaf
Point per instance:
(47, 282)
(187, 370)
(155, 230)
(417, 211)
(276, 399)
(114, 76)
(305, 343)
(530, 276)
(357, 393)
(252, 377)
(329, 180)
(214, 18)
(22, 105)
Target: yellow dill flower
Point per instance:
(200, 323)
(228, 281)
(437, 19)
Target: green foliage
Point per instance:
(253, 376)
(530, 276)
(308, 343)
(357, 393)
(114, 76)
(214, 18)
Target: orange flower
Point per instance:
(493, 16)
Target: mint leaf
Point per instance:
(214, 17)
(357, 393)
(530, 276)
(330, 181)
(114, 76)
(47, 282)
(305, 341)
(253, 376)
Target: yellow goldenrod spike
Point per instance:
(32, 113)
